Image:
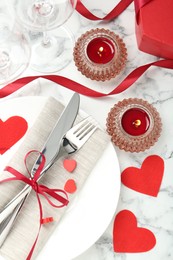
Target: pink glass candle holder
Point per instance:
(134, 125)
(100, 54)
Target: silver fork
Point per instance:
(74, 139)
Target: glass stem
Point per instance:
(46, 39)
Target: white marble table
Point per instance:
(155, 86)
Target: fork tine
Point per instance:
(88, 132)
(83, 129)
(86, 129)
(79, 134)
(81, 125)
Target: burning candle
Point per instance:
(135, 121)
(100, 50)
(134, 125)
(100, 54)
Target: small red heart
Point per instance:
(70, 186)
(70, 165)
(11, 131)
(128, 238)
(146, 180)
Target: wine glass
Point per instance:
(14, 48)
(52, 43)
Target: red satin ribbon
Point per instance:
(81, 89)
(77, 87)
(39, 189)
(117, 10)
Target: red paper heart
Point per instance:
(70, 186)
(11, 131)
(146, 180)
(69, 165)
(128, 238)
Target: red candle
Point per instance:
(100, 50)
(135, 121)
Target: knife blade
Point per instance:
(53, 143)
(50, 149)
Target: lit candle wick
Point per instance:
(101, 49)
(137, 123)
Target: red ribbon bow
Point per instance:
(39, 189)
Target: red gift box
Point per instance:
(154, 28)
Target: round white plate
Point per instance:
(92, 210)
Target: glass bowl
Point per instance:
(100, 54)
(134, 125)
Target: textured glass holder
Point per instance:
(148, 119)
(100, 54)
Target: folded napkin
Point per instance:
(23, 233)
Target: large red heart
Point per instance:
(146, 180)
(128, 238)
(11, 131)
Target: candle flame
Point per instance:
(137, 123)
(101, 49)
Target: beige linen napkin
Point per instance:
(23, 233)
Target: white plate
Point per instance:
(91, 211)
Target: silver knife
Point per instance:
(50, 149)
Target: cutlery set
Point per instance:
(63, 139)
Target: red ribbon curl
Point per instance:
(81, 89)
(39, 189)
(116, 11)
